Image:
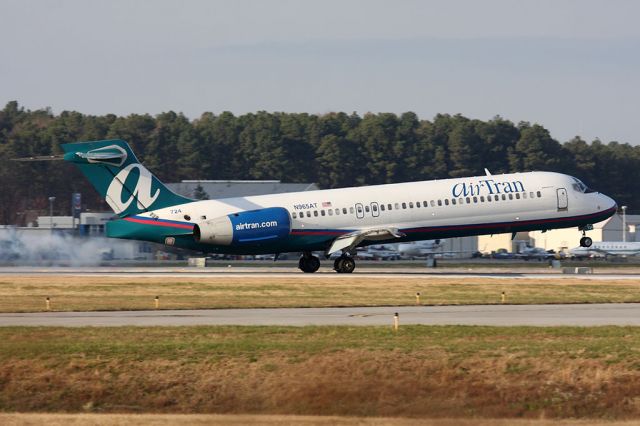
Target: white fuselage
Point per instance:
(607, 248)
(423, 210)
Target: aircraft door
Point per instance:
(375, 210)
(359, 211)
(563, 199)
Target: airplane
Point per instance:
(426, 249)
(332, 220)
(536, 253)
(423, 248)
(607, 248)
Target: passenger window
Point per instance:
(453, 201)
(366, 209)
(446, 201)
(531, 195)
(468, 200)
(424, 203)
(433, 203)
(482, 198)
(410, 204)
(315, 213)
(404, 205)
(308, 213)
(524, 195)
(330, 212)
(344, 210)
(294, 215)
(382, 207)
(397, 206)
(351, 210)
(359, 209)
(489, 198)
(337, 212)
(440, 202)
(418, 204)
(511, 196)
(495, 197)
(504, 197)
(517, 196)
(374, 207)
(389, 207)
(475, 199)
(461, 201)
(539, 194)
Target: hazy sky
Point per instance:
(573, 66)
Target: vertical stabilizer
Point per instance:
(113, 169)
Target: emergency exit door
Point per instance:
(563, 199)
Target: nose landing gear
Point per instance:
(585, 241)
(308, 263)
(344, 264)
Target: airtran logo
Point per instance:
(256, 225)
(486, 187)
(141, 192)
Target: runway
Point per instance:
(324, 272)
(491, 315)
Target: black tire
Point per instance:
(348, 265)
(313, 264)
(586, 242)
(309, 265)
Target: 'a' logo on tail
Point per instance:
(141, 192)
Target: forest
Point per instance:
(334, 150)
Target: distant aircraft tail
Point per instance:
(113, 169)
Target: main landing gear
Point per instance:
(586, 241)
(344, 264)
(308, 263)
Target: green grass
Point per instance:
(616, 344)
(419, 371)
(25, 294)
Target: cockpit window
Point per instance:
(581, 187)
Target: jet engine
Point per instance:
(250, 227)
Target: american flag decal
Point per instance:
(326, 204)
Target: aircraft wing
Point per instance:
(349, 241)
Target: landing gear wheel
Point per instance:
(586, 242)
(344, 265)
(309, 264)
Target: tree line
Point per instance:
(334, 150)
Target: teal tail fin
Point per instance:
(113, 169)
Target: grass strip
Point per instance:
(420, 371)
(28, 294)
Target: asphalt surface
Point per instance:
(496, 315)
(324, 273)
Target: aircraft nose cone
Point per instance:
(608, 203)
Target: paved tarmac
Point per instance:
(497, 315)
(324, 273)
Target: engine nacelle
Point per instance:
(250, 227)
